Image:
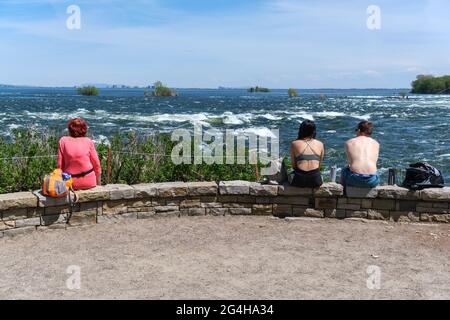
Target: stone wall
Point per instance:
(24, 212)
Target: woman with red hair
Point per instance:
(77, 156)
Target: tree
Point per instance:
(292, 92)
(163, 91)
(88, 91)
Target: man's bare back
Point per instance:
(362, 154)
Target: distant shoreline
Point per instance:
(6, 86)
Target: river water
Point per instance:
(409, 130)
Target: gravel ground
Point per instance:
(230, 258)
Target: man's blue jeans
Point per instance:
(351, 179)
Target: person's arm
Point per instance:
(322, 156)
(60, 155)
(293, 163)
(347, 152)
(95, 163)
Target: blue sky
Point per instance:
(210, 43)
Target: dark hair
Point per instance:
(307, 130)
(77, 128)
(365, 127)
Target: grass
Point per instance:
(27, 157)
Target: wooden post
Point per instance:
(108, 164)
(257, 172)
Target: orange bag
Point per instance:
(55, 186)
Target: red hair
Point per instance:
(77, 128)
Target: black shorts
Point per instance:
(306, 179)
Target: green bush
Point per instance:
(30, 155)
(258, 89)
(163, 91)
(427, 84)
(292, 92)
(88, 91)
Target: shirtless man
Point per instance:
(362, 154)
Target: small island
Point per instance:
(429, 84)
(292, 93)
(258, 89)
(88, 91)
(161, 90)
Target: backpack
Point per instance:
(59, 185)
(421, 176)
(55, 185)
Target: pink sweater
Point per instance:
(78, 155)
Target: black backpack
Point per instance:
(421, 176)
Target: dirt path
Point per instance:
(230, 258)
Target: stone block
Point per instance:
(161, 209)
(441, 218)
(18, 231)
(257, 189)
(202, 188)
(436, 194)
(325, 203)
(21, 223)
(6, 225)
(115, 207)
(366, 203)
(262, 209)
(356, 214)
(14, 214)
(196, 211)
(99, 193)
(288, 190)
(349, 206)
(396, 192)
(83, 218)
(330, 189)
(53, 219)
(384, 204)
(190, 203)
(301, 201)
(217, 211)
(313, 213)
(120, 191)
(282, 210)
(146, 215)
(404, 216)
(378, 214)
(353, 192)
(234, 187)
(240, 211)
(17, 200)
(172, 189)
(405, 205)
(145, 190)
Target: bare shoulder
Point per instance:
(320, 143)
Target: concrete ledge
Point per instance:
(25, 211)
